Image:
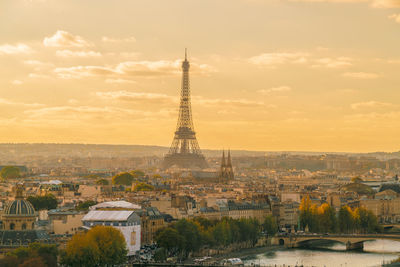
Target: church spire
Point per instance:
(223, 162)
(229, 162)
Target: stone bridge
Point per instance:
(352, 242)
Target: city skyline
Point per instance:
(273, 75)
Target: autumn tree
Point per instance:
(137, 174)
(124, 178)
(36, 254)
(143, 187)
(102, 182)
(10, 172)
(346, 220)
(100, 246)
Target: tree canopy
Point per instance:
(185, 236)
(100, 246)
(36, 254)
(137, 174)
(270, 225)
(85, 205)
(10, 172)
(102, 182)
(124, 178)
(46, 202)
(143, 187)
(324, 219)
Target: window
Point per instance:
(12, 226)
(24, 226)
(133, 238)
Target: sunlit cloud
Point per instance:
(136, 96)
(118, 40)
(273, 59)
(372, 3)
(361, 75)
(128, 69)
(69, 53)
(395, 17)
(65, 39)
(275, 89)
(327, 62)
(7, 49)
(16, 82)
(119, 81)
(371, 104)
(4, 101)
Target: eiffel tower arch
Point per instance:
(185, 150)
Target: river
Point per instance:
(374, 254)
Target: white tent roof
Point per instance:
(116, 204)
(107, 215)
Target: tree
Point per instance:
(270, 226)
(46, 202)
(102, 182)
(84, 206)
(190, 232)
(100, 246)
(327, 218)
(137, 174)
(36, 254)
(346, 220)
(356, 179)
(10, 172)
(92, 176)
(124, 178)
(143, 187)
(170, 239)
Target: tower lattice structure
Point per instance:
(185, 150)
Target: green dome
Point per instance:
(19, 207)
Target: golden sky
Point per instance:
(316, 75)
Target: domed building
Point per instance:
(18, 223)
(19, 214)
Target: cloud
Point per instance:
(136, 96)
(273, 59)
(119, 81)
(83, 71)
(77, 114)
(17, 82)
(38, 76)
(69, 53)
(385, 3)
(118, 40)
(328, 62)
(361, 75)
(65, 39)
(129, 69)
(371, 104)
(228, 102)
(20, 48)
(275, 89)
(4, 101)
(372, 3)
(395, 17)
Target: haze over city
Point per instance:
(265, 75)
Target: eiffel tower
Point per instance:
(185, 151)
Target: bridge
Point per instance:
(352, 242)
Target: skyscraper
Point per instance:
(185, 151)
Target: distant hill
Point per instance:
(102, 150)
